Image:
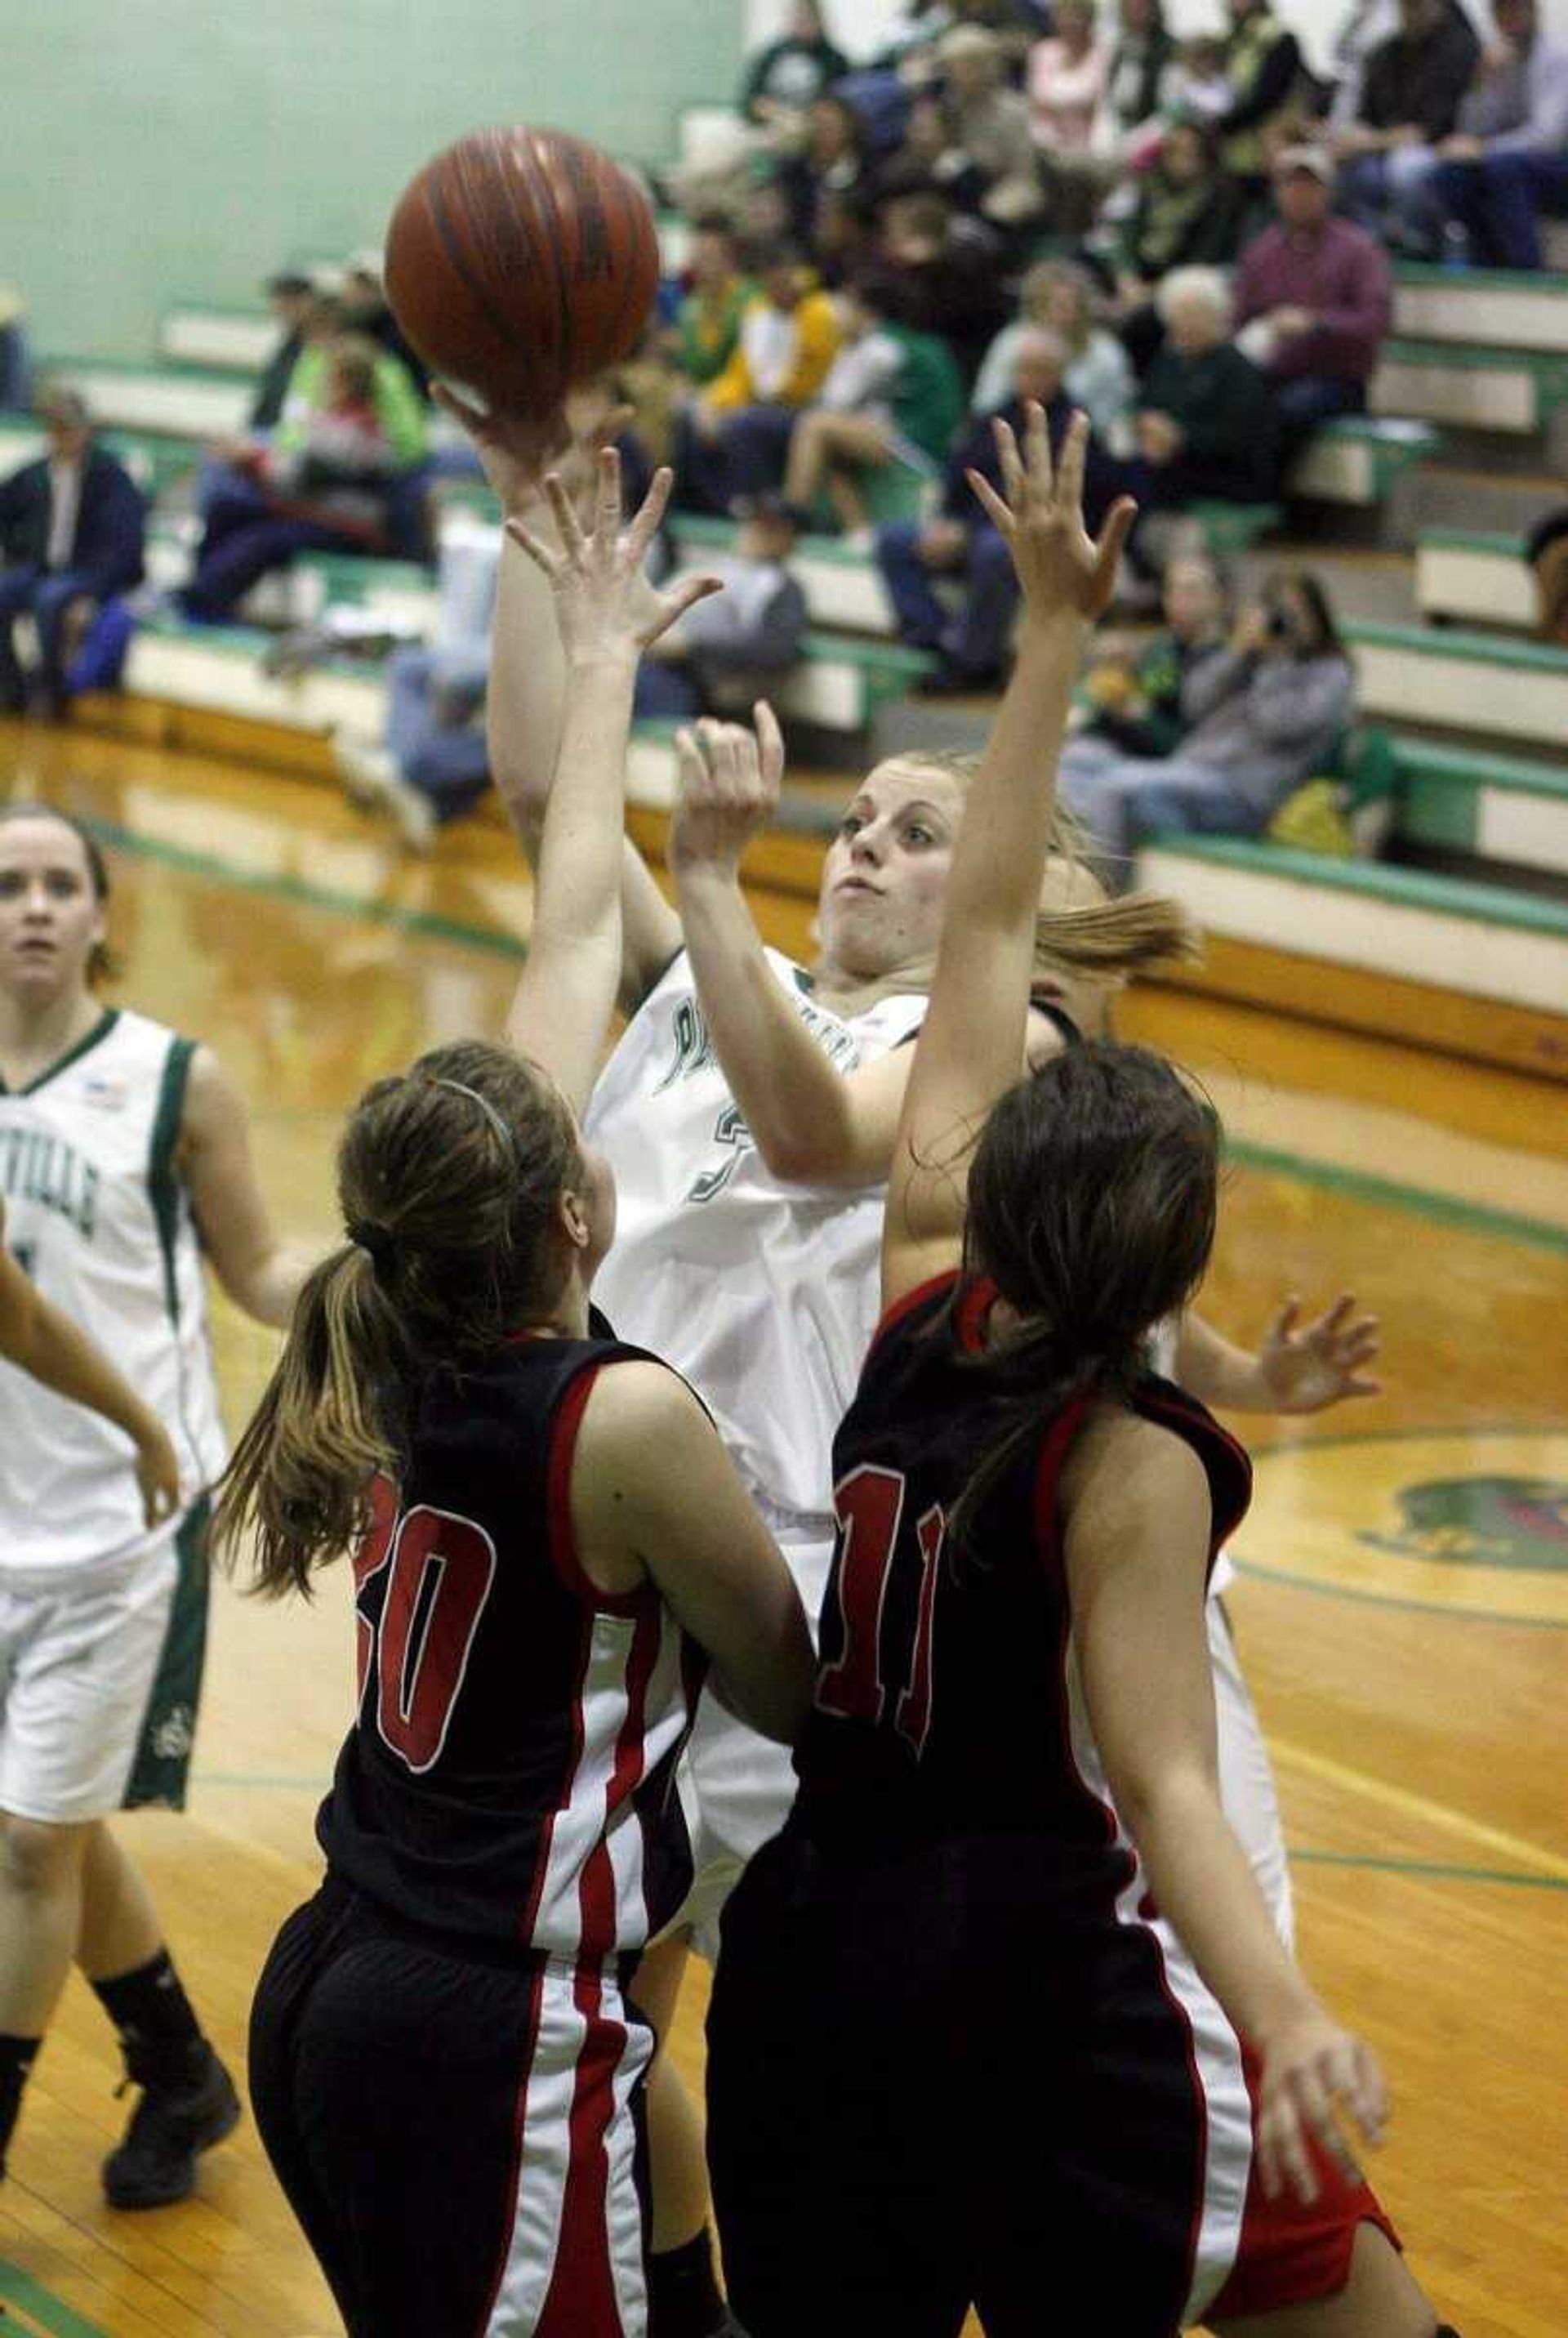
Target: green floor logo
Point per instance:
(1483, 1522)
(1474, 1523)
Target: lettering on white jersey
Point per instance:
(46, 1170)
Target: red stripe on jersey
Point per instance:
(911, 1299)
(1200, 2108)
(560, 1535)
(1290, 2252)
(597, 1927)
(581, 2294)
(515, 2176)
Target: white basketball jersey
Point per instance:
(764, 1294)
(99, 1219)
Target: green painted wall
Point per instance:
(153, 151)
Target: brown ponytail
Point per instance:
(1091, 1207)
(450, 1180)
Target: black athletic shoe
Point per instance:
(156, 2163)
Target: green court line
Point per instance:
(1438, 1870)
(1367, 1186)
(428, 923)
(49, 2312)
(1293, 1582)
(1354, 1184)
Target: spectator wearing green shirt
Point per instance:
(892, 395)
(708, 320)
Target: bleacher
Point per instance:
(1458, 935)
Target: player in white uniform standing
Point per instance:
(124, 1155)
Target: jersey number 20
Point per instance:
(870, 1504)
(434, 1572)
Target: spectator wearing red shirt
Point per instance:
(1314, 298)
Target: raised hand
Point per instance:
(728, 790)
(1064, 571)
(1314, 2073)
(604, 605)
(1305, 1368)
(515, 451)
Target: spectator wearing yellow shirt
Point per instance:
(734, 440)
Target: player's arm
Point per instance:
(259, 1272)
(971, 1040)
(1299, 1367)
(651, 1482)
(605, 618)
(42, 1343)
(1136, 1547)
(526, 699)
(812, 1124)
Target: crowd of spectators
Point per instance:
(1061, 200)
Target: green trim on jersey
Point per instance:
(162, 1182)
(161, 1772)
(89, 1040)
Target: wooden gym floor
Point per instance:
(1403, 1607)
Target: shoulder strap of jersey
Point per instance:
(1226, 1463)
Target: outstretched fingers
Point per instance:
(569, 527)
(542, 555)
(648, 518)
(769, 746)
(1014, 477)
(1112, 544)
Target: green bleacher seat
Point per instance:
(1491, 807)
(1359, 459)
(1478, 682)
(1470, 388)
(1479, 575)
(1483, 941)
(1483, 307)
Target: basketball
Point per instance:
(521, 263)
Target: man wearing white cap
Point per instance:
(1314, 297)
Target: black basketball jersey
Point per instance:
(947, 1692)
(511, 1771)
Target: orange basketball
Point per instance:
(521, 263)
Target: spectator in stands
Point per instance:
(734, 440)
(1098, 377)
(785, 79)
(846, 236)
(324, 485)
(891, 396)
(1507, 163)
(951, 271)
(1268, 91)
(1314, 299)
(708, 321)
(834, 160)
(1411, 84)
(1207, 423)
(991, 126)
(15, 363)
(1131, 693)
(960, 543)
(1261, 717)
(368, 312)
(290, 297)
(1068, 75)
(72, 534)
(1190, 212)
(725, 650)
(1137, 75)
(432, 764)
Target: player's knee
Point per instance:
(36, 1859)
